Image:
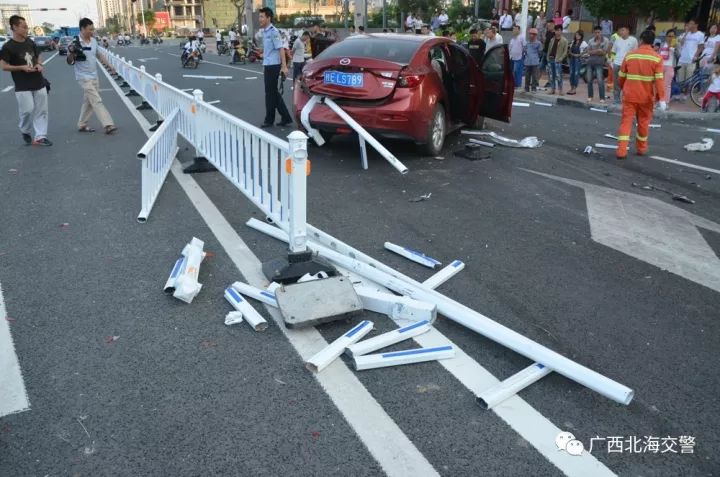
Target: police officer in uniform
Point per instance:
(274, 63)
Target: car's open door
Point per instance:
(496, 84)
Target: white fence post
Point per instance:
(298, 168)
(159, 120)
(200, 162)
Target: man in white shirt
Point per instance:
(518, 17)
(86, 74)
(506, 21)
(410, 21)
(298, 54)
(232, 35)
(492, 38)
(567, 19)
(418, 23)
(443, 18)
(621, 47)
(691, 46)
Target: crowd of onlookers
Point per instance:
(547, 51)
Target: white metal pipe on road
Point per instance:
(331, 352)
(254, 319)
(490, 398)
(388, 339)
(366, 135)
(367, 267)
(414, 255)
(398, 358)
(444, 275)
(263, 296)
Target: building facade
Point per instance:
(9, 9)
(108, 9)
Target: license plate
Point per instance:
(351, 80)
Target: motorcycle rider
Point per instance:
(190, 46)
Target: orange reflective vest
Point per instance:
(641, 76)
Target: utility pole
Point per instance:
(142, 16)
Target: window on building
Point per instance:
(179, 11)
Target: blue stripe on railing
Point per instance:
(417, 351)
(413, 326)
(355, 330)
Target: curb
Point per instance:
(611, 108)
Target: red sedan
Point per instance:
(411, 87)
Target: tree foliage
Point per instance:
(149, 18)
(665, 9)
(425, 7)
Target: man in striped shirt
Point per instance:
(641, 81)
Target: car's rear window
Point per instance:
(397, 51)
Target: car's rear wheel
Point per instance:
(435, 139)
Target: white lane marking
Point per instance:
(387, 443)
(251, 77)
(650, 230)
(685, 164)
(213, 102)
(48, 60)
(13, 396)
(7, 88)
(523, 105)
(515, 411)
(713, 130)
(598, 110)
(143, 60)
(208, 77)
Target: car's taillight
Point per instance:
(409, 81)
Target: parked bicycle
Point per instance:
(696, 85)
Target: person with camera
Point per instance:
(21, 57)
(82, 55)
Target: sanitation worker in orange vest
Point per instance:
(641, 81)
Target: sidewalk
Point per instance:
(676, 109)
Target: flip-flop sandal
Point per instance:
(110, 129)
(86, 129)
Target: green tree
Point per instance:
(670, 9)
(48, 28)
(149, 18)
(425, 7)
(114, 24)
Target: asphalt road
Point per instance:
(622, 279)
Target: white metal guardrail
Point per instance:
(157, 156)
(256, 162)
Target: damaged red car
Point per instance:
(411, 87)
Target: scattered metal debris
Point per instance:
(478, 142)
(705, 145)
(589, 150)
(421, 198)
(673, 195)
(598, 110)
(527, 142)
(605, 146)
(611, 136)
(706, 176)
